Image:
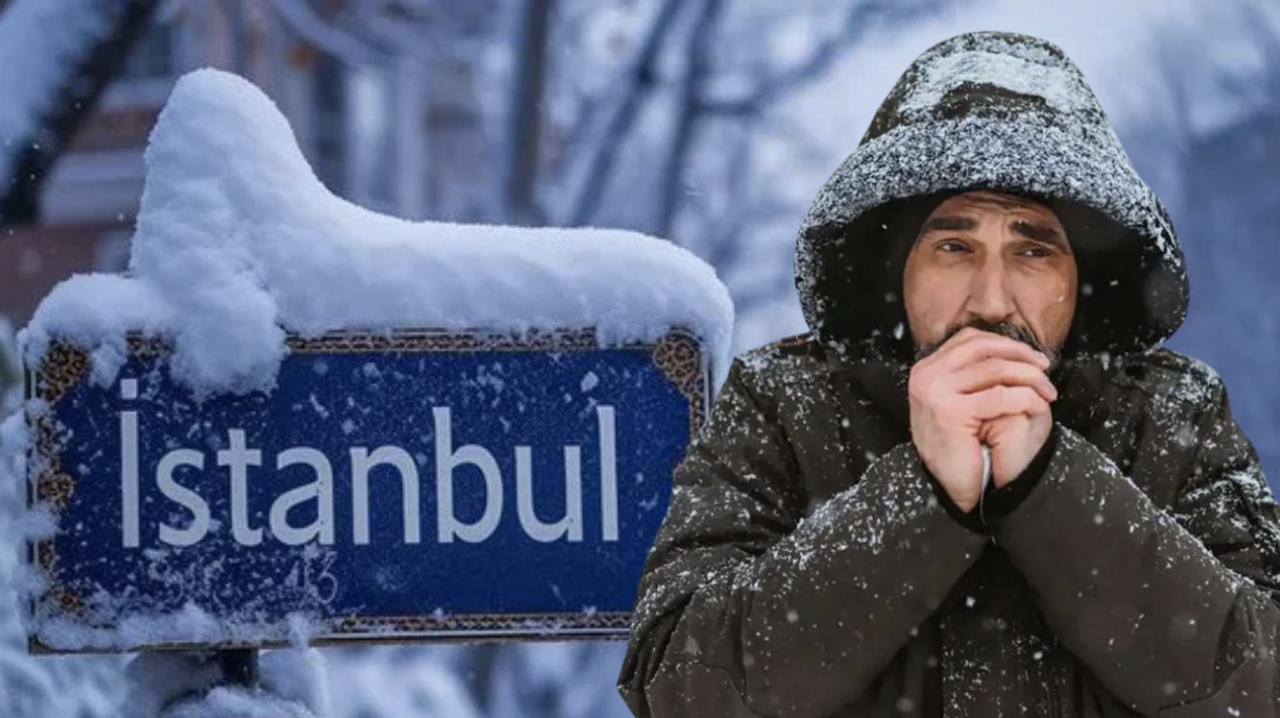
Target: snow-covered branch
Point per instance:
(55, 60)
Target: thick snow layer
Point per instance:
(191, 624)
(238, 242)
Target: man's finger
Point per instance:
(992, 372)
(1001, 400)
(960, 337)
(987, 346)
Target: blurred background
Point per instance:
(708, 122)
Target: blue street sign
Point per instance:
(423, 485)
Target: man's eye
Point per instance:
(951, 246)
(1036, 252)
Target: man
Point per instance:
(987, 270)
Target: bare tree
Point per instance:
(519, 177)
(721, 47)
(87, 52)
(603, 142)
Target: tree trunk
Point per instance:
(74, 98)
(524, 118)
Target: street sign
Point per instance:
(418, 485)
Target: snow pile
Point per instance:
(186, 685)
(226, 701)
(191, 625)
(238, 242)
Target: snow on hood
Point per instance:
(238, 243)
(997, 111)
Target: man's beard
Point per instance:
(1004, 329)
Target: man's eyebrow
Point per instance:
(946, 223)
(1041, 233)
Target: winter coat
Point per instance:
(809, 564)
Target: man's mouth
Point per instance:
(1005, 329)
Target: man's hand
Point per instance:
(956, 392)
(1014, 440)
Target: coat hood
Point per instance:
(1002, 112)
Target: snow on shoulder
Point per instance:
(238, 242)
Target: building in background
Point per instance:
(367, 115)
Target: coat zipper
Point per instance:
(1056, 675)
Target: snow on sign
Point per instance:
(295, 416)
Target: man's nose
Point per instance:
(989, 296)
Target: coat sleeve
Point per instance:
(749, 607)
(1177, 613)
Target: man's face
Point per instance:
(994, 261)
